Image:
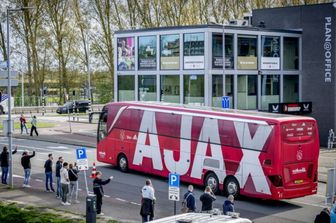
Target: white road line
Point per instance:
(38, 180)
(119, 199)
(107, 196)
(135, 203)
(17, 176)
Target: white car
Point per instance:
(201, 218)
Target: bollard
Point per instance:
(91, 208)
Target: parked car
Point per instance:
(80, 106)
(202, 218)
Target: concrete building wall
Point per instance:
(317, 23)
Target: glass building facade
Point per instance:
(201, 64)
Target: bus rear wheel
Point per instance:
(123, 163)
(231, 187)
(211, 180)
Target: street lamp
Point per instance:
(9, 92)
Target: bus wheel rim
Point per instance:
(122, 163)
(232, 188)
(212, 183)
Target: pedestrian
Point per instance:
(23, 125)
(59, 165)
(323, 217)
(207, 198)
(228, 205)
(4, 159)
(99, 191)
(48, 172)
(189, 202)
(73, 176)
(333, 214)
(147, 202)
(25, 162)
(33, 126)
(65, 182)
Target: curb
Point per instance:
(68, 142)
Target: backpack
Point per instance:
(184, 208)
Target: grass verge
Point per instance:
(39, 125)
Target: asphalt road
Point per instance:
(123, 193)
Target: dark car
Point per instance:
(80, 106)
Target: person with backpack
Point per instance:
(73, 176)
(4, 162)
(25, 162)
(48, 173)
(189, 202)
(59, 165)
(99, 191)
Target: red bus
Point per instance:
(255, 154)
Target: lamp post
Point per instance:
(9, 92)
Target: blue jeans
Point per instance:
(59, 187)
(4, 175)
(49, 179)
(26, 176)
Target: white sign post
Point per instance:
(82, 163)
(174, 189)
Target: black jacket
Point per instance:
(207, 200)
(190, 200)
(4, 158)
(25, 161)
(73, 174)
(228, 206)
(147, 207)
(323, 217)
(48, 166)
(58, 168)
(98, 186)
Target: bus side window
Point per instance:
(102, 126)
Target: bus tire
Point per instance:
(122, 163)
(231, 186)
(212, 181)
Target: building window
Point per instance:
(170, 52)
(193, 51)
(290, 88)
(247, 53)
(270, 90)
(217, 50)
(170, 88)
(147, 87)
(126, 88)
(291, 53)
(229, 56)
(229, 89)
(147, 53)
(247, 89)
(193, 89)
(217, 90)
(270, 54)
(125, 53)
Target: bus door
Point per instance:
(297, 152)
(101, 136)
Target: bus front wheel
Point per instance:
(231, 186)
(123, 163)
(211, 180)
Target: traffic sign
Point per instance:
(225, 102)
(174, 193)
(174, 180)
(4, 73)
(3, 64)
(82, 161)
(4, 82)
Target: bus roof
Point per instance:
(219, 111)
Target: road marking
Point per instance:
(107, 196)
(37, 148)
(40, 159)
(119, 199)
(38, 180)
(135, 203)
(58, 147)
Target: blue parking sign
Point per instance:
(174, 180)
(81, 153)
(225, 102)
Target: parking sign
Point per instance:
(174, 187)
(82, 161)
